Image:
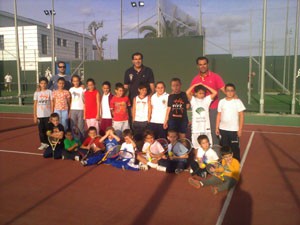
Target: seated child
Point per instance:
(91, 143)
(205, 154)
(150, 157)
(130, 146)
(174, 163)
(231, 174)
(110, 139)
(71, 147)
(55, 130)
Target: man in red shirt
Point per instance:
(214, 81)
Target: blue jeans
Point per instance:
(63, 117)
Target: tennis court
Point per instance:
(34, 190)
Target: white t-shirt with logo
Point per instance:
(207, 156)
(159, 108)
(106, 114)
(229, 110)
(77, 95)
(43, 99)
(200, 114)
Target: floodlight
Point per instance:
(133, 4)
(141, 4)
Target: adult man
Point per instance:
(136, 75)
(7, 82)
(214, 81)
(62, 70)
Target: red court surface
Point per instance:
(39, 191)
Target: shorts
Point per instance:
(179, 126)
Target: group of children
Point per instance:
(88, 124)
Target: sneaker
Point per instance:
(77, 158)
(178, 171)
(194, 183)
(45, 145)
(152, 165)
(203, 174)
(83, 162)
(143, 167)
(42, 147)
(161, 168)
(62, 157)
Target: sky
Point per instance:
(227, 23)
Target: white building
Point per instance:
(35, 43)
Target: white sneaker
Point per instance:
(42, 147)
(77, 158)
(143, 167)
(152, 165)
(161, 168)
(45, 145)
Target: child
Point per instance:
(200, 111)
(42, 109)
(92, 142)
(77, 107)
(230, 120)
(204, 154)
(55, 130)
(159, 104)
(61, 102)
(106, 120)
(141, 112)
(174, 163)
(130, 146)
(92, 105)
(147, 158)
(118, 107)
(71, 146)
(231, 174)
(176, 115)
(109, 139)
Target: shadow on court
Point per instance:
(17, 128)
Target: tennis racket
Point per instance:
(125, 155)
(181, 147)
(53, 143)
(113, 152)
(216, 169)
(92, 147)
(158, 147)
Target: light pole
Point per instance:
(138, 5)
(52, 14)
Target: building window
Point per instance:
(59, 41)
(76, 50)
(64, 42)
(1, 42)
(44, 44)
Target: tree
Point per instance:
(93, 28)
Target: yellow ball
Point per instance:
(202, 165)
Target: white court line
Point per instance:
(18, 152)
(230, 193)
(17, 118)
(270, 132)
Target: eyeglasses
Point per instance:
(61, 67)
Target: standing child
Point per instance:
(174, 163)
(231, 174)
(91, 149)
(61, 102)
(205, 154)
(42, 109)
(71, 146)
(176, 115)
(106, 120)
(200, 111)
(141, 112)
(92, 105)
(230, 120)
(77, 107)
(118, 107)
(55, 130)
(159, 105)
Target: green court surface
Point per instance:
(250, 117)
